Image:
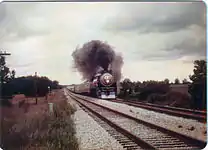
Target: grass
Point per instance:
(42, 131)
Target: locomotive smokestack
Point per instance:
(95, 55)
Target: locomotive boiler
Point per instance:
(102, 85)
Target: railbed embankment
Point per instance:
(90, 134)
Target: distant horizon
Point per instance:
(157, 41)
(170, 81)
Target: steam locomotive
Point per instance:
(102, 85)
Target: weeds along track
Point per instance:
(133, 133)
(180, 112)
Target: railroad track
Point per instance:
(137, 134)
(181, 112)
(121, 138)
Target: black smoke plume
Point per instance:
(94, 56)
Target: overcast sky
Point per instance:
(157, 40)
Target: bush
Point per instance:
(42, 131)
(155, 97)
(135, 96)
(171, 98)
(159, 88)
(121, 94)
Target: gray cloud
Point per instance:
(42, 36)
(188, 46)
(160, 17)
(178, 28)
(185, 48)
(16, 22)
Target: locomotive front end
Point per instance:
(107, 86)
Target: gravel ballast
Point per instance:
(182, 125)
(90, 134)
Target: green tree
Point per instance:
(137, 86)
(126, 86)
(177, 81)
(12, 74)
(166, 81)
(185, 81)
(25, 85)
(6, 76)
(197, 89)
(55, 84)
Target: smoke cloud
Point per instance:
(95, 56)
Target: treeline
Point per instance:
(28, 85)
(159, 91)
(142, 89)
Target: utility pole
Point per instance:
(2, 54)
(36, 99)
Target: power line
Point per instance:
(4, 53)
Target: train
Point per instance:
(102, 85)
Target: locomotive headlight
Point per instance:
(106, 79)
